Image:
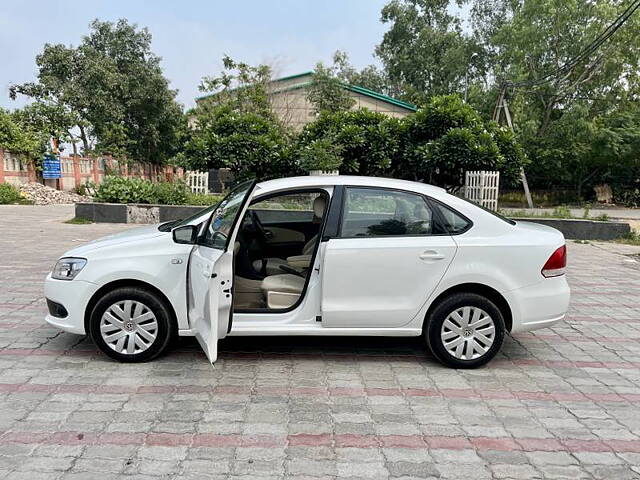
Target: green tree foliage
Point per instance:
(425, 51)
(566, 124)
(563, 123)
(370, 77)
(18, 137)
(235, 128)
(326, 92)
(321, 154)
(368, 140)
(435, 145)
(112, 89)
(448, 137)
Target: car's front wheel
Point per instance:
(131, 324)
(465, 330)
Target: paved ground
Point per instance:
(560, 403)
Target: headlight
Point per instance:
(68, 268)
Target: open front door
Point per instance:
(211, 272)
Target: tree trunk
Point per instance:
(85, 140)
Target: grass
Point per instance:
(202, 199)
(632, 238)
(78, 221)
(561, 211)
(540, 198)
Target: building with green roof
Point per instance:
(289, 99)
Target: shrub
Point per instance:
(9, 194)
(368, 140)
(137, 190)
(321, 154)
(125, 190)
(167, 193)
(203, 199)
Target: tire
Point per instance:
(478, 346)
(124, 320)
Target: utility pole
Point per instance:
(502, 105)
(466, 77)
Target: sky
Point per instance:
(191, 36)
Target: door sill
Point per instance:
(319, 330)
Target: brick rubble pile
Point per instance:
(42, 195)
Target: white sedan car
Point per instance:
(334, 255)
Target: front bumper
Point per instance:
(540, 305)
(73, 295)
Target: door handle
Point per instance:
(431, 255)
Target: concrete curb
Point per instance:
(578, 229)
(134, 213)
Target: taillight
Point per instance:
(557, 263)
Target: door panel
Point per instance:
(381, 281)
(202, 294)
(283, 235)
(211, 272)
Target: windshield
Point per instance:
(197, 218)
(224, 216)
(200, 216)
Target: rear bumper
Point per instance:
(73, 295)
(540, 305)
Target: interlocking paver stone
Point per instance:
(555, 403)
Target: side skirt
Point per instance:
(243, 331)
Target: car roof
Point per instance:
(331, 180)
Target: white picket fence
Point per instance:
(198, 182)
(482, 188)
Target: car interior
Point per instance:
(275, 248)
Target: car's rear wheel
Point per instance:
(465, 330)
(131, 324)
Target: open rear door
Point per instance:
(211, 272)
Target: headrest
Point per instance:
(420, 212)
(319, 205)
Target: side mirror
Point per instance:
(187, 234)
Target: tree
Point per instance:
(321, 154)
(326, 93)
(234, 126)
(425, 51)
(528, 40)
(112, 86)
(560, 121)
(17, 137)
(370, 77)
(368, 141)
(50, 120)
(448, 137)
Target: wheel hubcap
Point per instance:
(468, 333)
(129, 327)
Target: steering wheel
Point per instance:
(259, 227)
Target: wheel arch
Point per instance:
(108, 287)
(481, 289)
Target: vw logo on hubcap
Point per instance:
(467, 332)
(128, 326)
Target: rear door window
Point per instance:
(376, 212)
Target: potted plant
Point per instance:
(321, 157)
